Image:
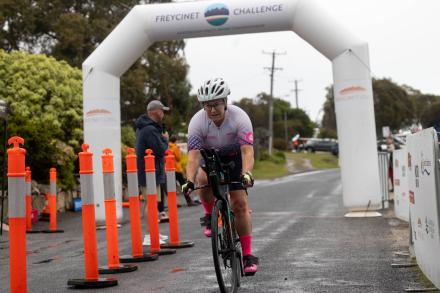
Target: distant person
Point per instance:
(390, 148)
(149, 135)
(173, 147)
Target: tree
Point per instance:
(431, 116)
(392, 105)
(71, 30)
(329, 117)
(297, 120)
(45, 97)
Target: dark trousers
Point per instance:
(163, 192)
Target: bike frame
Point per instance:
(218, 176)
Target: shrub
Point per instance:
(280, 144)
(45, 97)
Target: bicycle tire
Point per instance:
(226, 263)
(237, 245)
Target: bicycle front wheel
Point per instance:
(226, 262)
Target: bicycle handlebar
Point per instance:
(208, 185)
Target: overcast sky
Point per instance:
(403, 36)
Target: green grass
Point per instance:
(271, 170)
(318, 160)
(268, 170)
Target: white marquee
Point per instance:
(146, 24)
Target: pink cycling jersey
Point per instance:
(235, 131)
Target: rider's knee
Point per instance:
(240, 206)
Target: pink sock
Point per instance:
(208, 206)
(246, 244)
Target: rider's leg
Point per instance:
(243, 224)
(243, 221)
(205, 194)
(207, 201)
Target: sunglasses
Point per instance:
(217, 106)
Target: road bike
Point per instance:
(226, 247)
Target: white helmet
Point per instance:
(213, 89)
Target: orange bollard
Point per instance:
(92, 279)
(45, 214)
(137, 254)
(153, 221)
(114, 266)
(52, 203)
(174, 241)
(29, 202)
(17, 215)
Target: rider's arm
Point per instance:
(193, 165)
(247, 158)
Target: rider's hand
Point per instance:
(187, 187)
(247, 179)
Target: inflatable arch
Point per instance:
(146, 24)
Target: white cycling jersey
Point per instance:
(235, 131)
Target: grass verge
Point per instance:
(319, 161)
(269, 170)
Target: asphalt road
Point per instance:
(300, 234)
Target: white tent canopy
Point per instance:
(146, 24)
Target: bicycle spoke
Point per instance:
(223, 248)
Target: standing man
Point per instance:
(228, 129)
(149, 135)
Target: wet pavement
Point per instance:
(300, 234)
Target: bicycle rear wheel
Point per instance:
(226, 262)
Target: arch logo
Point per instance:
(217, 14)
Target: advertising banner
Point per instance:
(400, 173)
(424, 201)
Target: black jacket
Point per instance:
(149, 136)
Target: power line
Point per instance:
(272, 70)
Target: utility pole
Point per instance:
(272, 70)
(285, 128)
(296, 90)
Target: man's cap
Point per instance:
(156, 105)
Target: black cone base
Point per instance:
(181, 244)
(33, 231)
(162, 251)
(118, 270)
(92, 284)
(142, 258)
(52, 231)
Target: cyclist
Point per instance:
(228, 129)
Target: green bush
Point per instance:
(280, 144)
(278, 157)
(45, 97)
(264, 155)
(128, 136)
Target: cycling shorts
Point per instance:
(235, 173)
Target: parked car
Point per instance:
(321, 145)
(383, 147)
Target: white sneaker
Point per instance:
(147, 240)
(163, 237)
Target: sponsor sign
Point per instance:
(353, 90)
(220, 18)
(102, 113)
(423, 180)
(401, 198)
